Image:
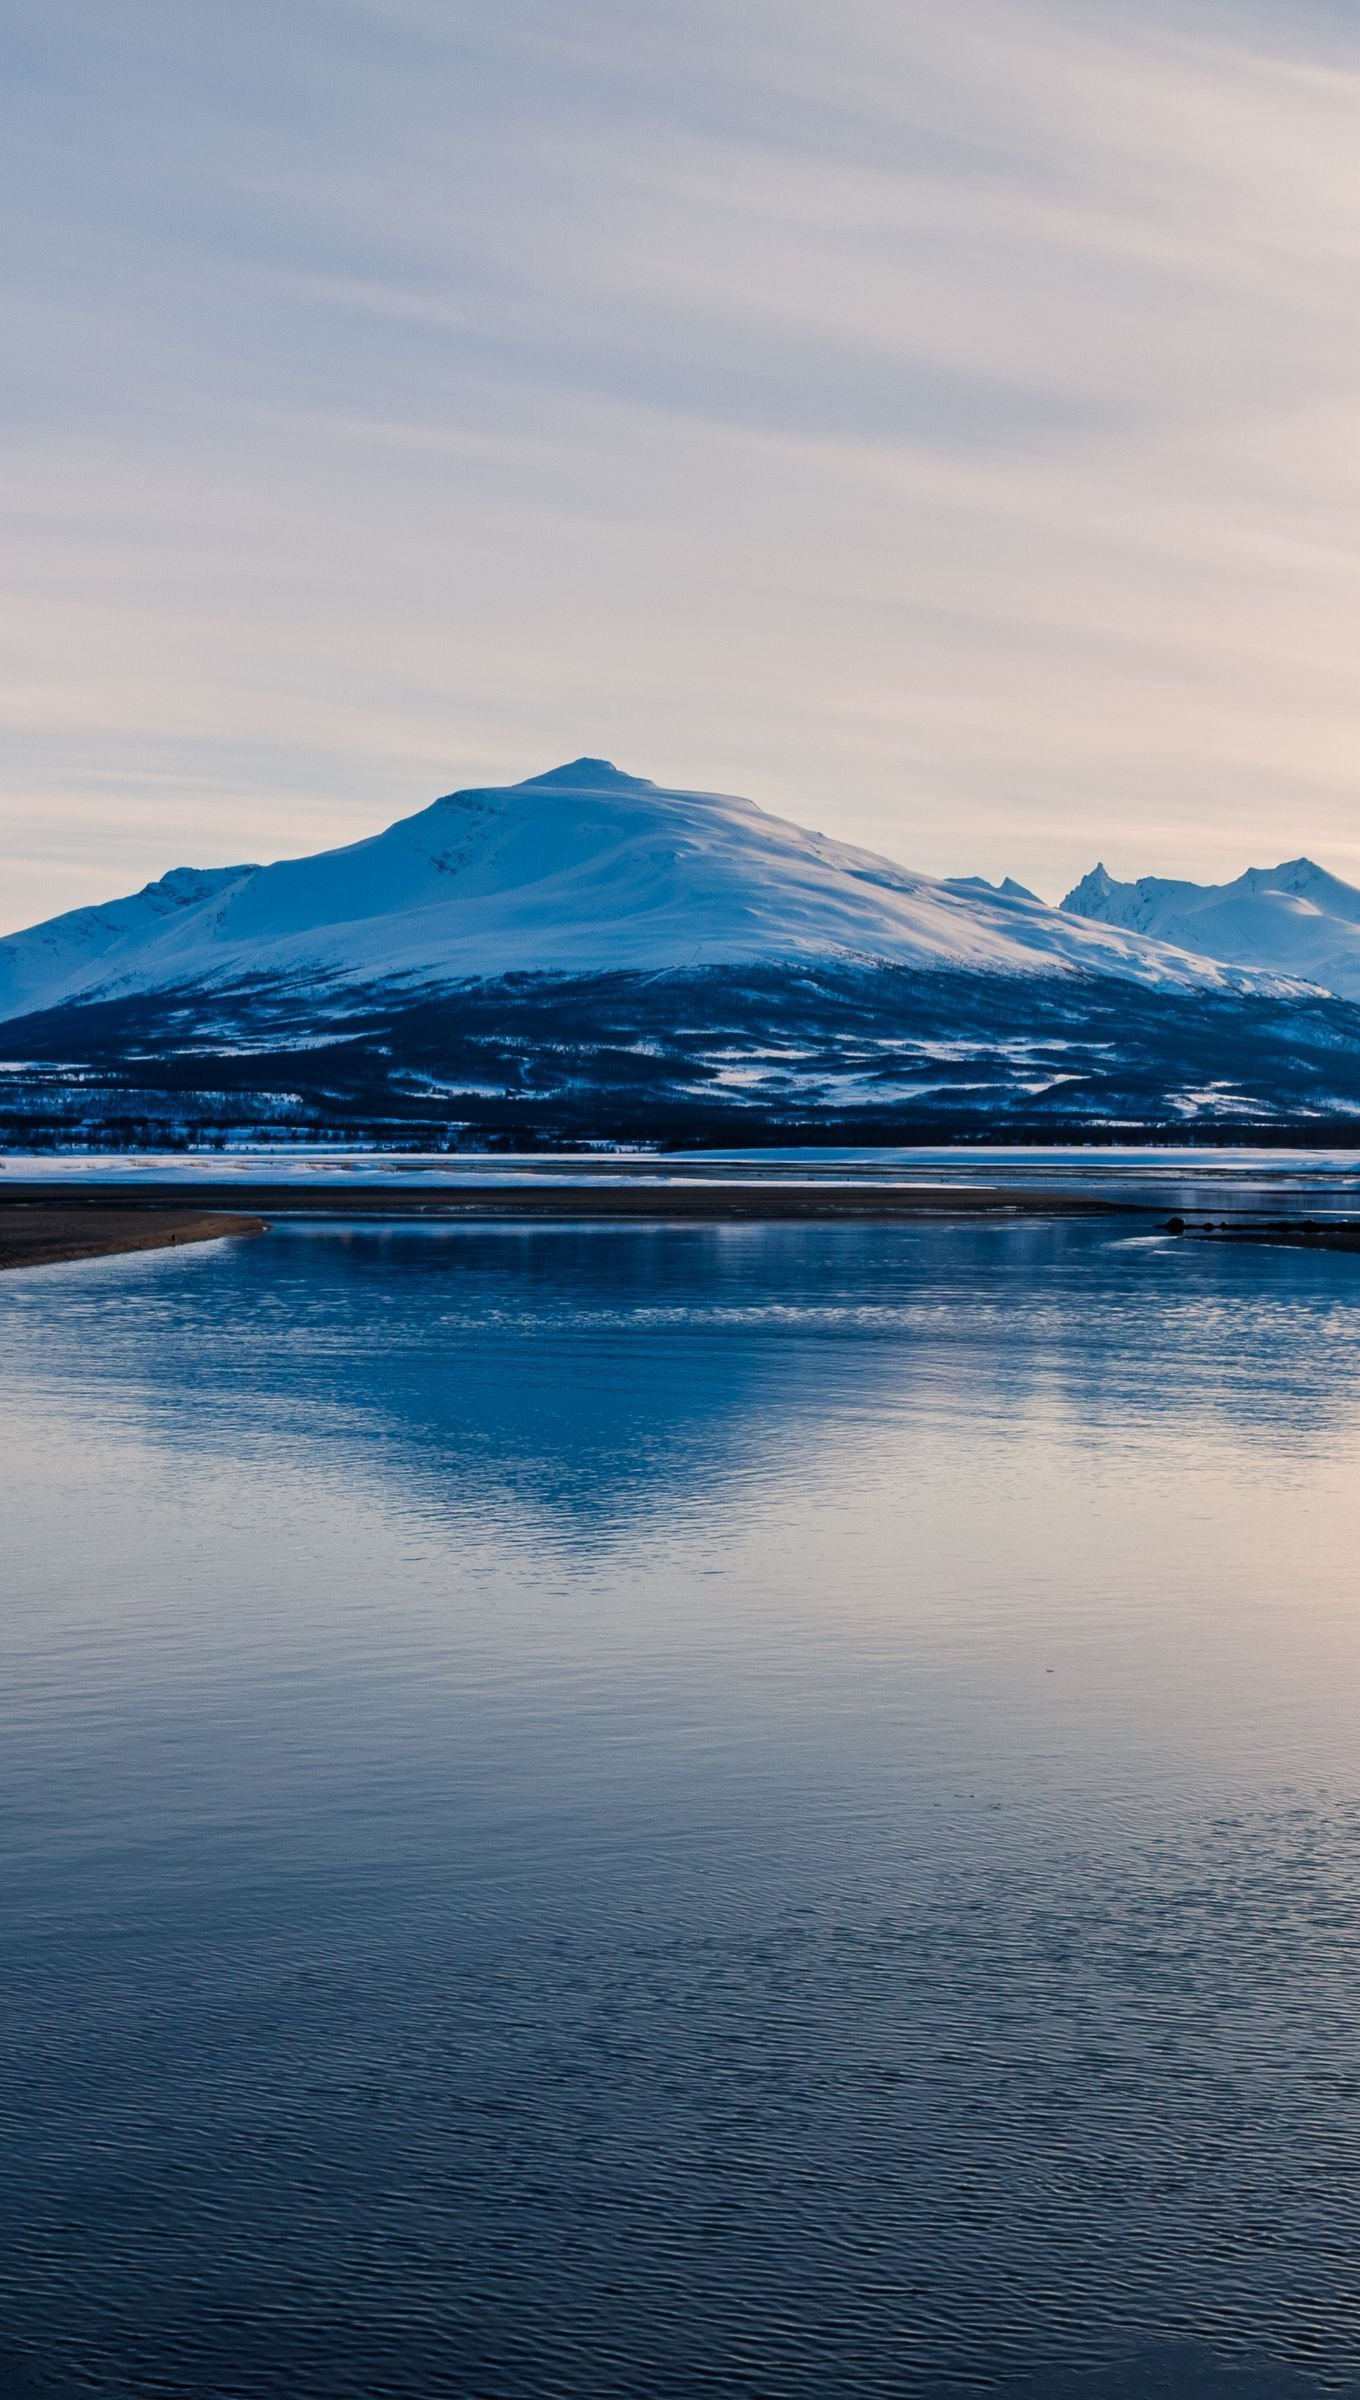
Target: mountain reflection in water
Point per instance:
(706, 1810)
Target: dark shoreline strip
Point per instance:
(47, 1234)
(770, 1202)
(1343, 1234)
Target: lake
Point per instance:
(681, 1811)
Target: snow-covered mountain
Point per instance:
(74, 952)
(581, 871)
(587, 954)
(1294, 919)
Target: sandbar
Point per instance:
(47, 1233)
(39, 1226)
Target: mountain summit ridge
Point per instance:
(582, 774)
(1295, 919)
(588, 954)
(582, 870)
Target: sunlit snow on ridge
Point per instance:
(584, 870)
(1294, 919)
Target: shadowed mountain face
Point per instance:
(587, 954)
(726, 1055)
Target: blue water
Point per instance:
(681, 1811)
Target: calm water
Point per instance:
(748, 1811)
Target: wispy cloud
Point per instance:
(939, 423)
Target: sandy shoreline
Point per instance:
(39, 1227)
(48, 1233)
(769, 1201)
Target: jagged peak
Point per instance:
(1091, 887)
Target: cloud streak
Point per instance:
(939, 424)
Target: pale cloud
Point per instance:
(940, 424)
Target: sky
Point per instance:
(940, 423)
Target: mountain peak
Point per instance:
(1296, 919)
(580, 870)
(1095, 887)
(1293, 874)
(587, 775)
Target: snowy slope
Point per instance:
(581, 871)
(1293, 919)
(67, 954)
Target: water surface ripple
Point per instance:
(611, 1811)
